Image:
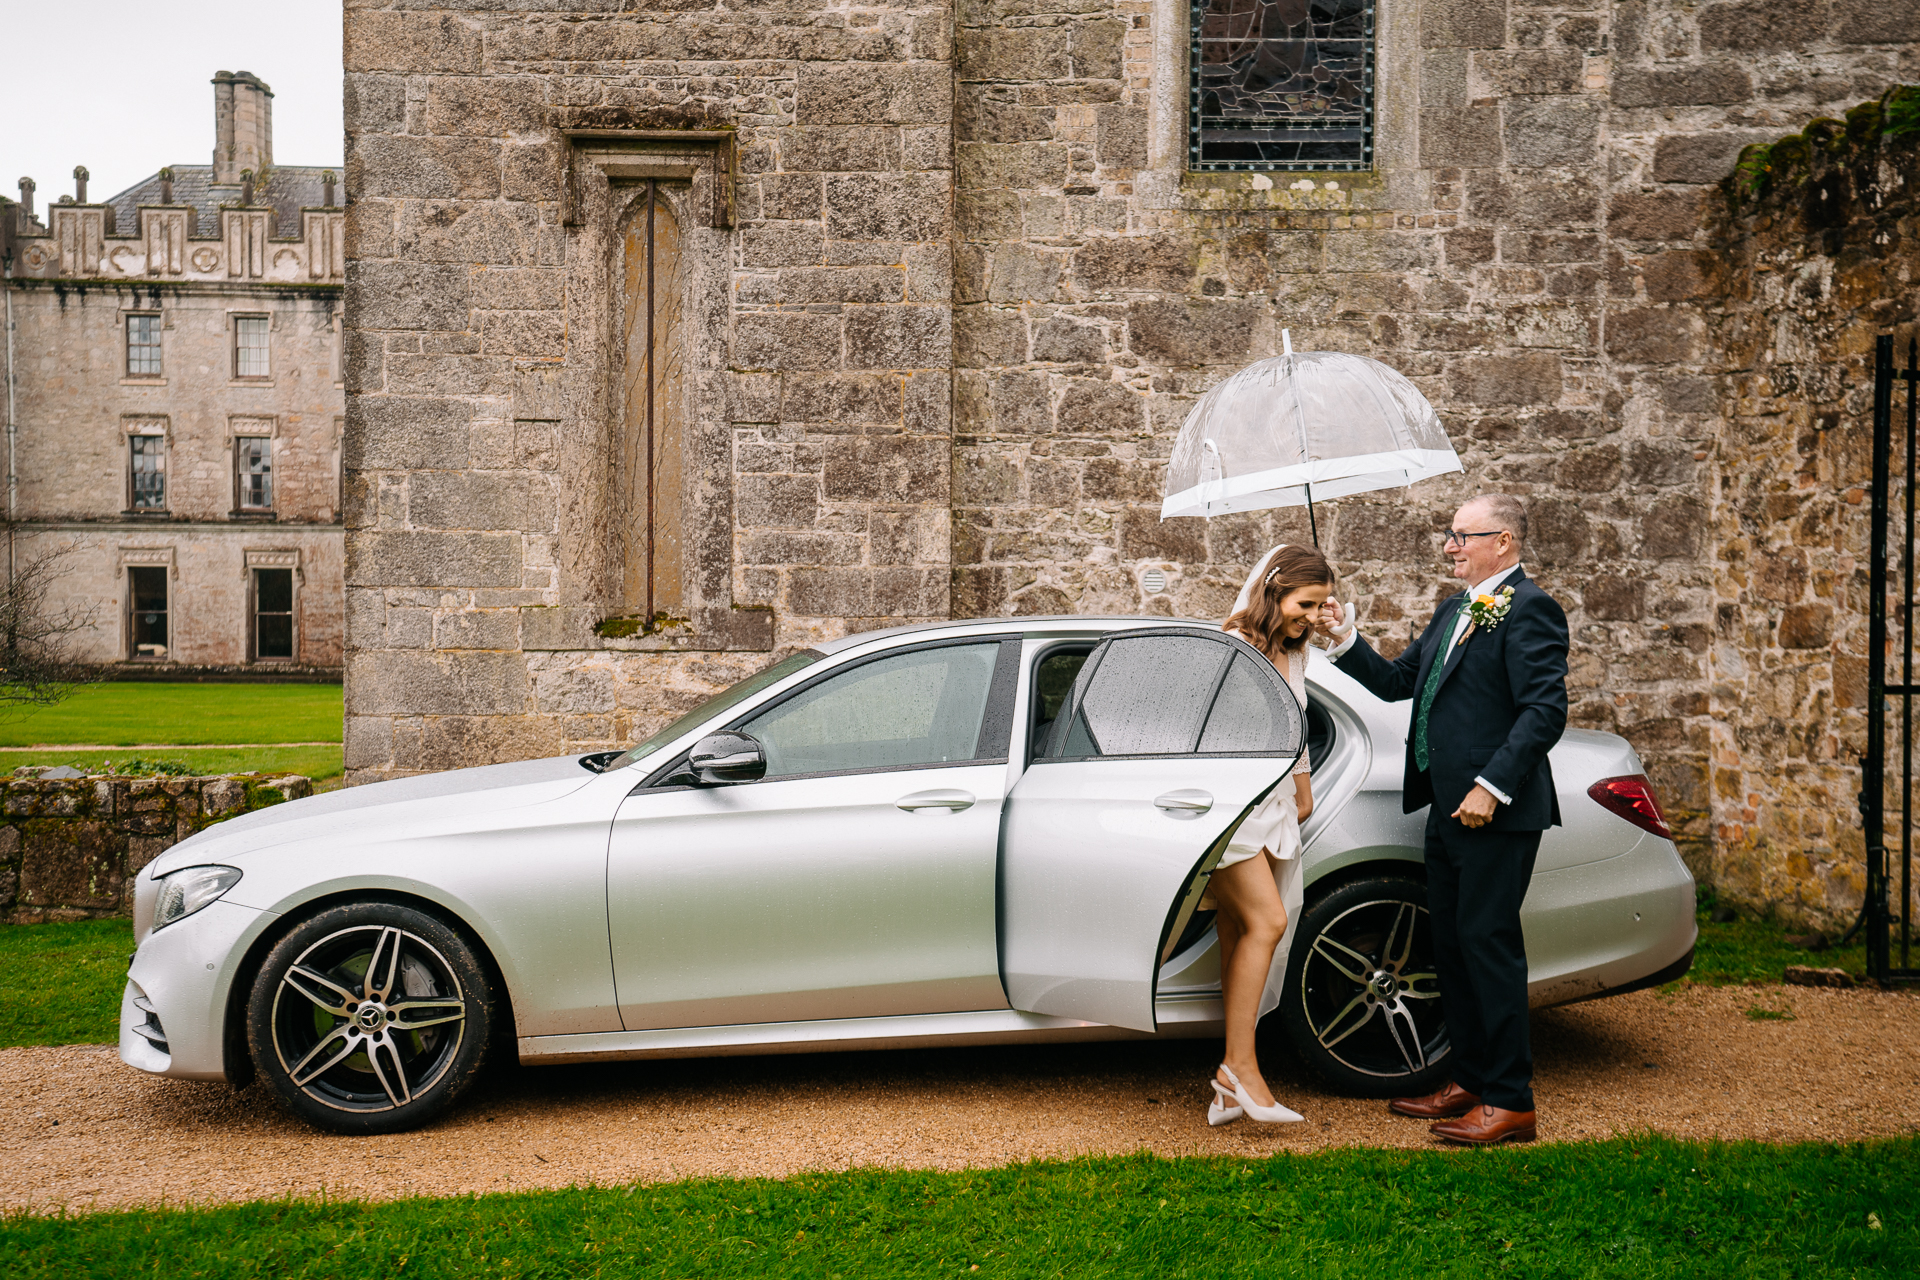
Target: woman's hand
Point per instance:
(1303, 794)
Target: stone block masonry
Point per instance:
(935, 362)
(70, 848)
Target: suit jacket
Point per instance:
(1501, 706)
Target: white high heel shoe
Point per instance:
(1275, 1114)
(1222, 1110)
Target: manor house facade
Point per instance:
(176, 406)
(680, 338)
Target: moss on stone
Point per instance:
(1765, 167)
(626, 626)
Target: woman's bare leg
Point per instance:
(1228, 930)
(1252, 912)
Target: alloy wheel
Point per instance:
(1369, 993)
(368, 1018)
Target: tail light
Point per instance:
(1632, 798)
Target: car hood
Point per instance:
(379, 808)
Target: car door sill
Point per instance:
(1180, 1017)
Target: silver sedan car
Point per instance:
(979, 832)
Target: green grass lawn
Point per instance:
(61, 983)
(129, 712)
(1642, 1207)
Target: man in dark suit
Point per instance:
(1489, 686)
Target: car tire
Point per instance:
(370, 1018)
(1360, 1005)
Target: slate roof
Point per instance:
(290, 188)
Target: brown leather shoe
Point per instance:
(1485, 1126)
(1448, 1102)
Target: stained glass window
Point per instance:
(1281, 84)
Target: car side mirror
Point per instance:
(727, 757)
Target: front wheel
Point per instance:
(370, 1018)
(1361, 1002)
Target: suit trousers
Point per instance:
(1476, 881)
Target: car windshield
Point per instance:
(718, 703)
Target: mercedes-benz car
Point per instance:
(955, 834)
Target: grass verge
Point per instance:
(1641, 1207)
(125, 713)
(1750, 950)
(62, 982)
(313, 762)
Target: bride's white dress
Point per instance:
(1274, 825)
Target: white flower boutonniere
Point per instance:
(1488, 609)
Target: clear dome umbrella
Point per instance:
(1302, 426)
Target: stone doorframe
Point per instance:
(578, 400)
(706, 158)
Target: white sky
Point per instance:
(135, 93)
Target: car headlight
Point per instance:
(185, 891)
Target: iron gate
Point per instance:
(1884, 793)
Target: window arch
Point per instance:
(1281, 85)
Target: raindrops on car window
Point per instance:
(1254, 712)
(1147, 697)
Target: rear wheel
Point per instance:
(370, 1018)
(1361, 1004)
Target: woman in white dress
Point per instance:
(1260, 870)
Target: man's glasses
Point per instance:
(1455, 538)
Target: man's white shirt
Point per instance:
(1460, 623)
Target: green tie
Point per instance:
(1426, 696)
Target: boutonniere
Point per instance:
(1488, 609)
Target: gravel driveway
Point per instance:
(81, 1130)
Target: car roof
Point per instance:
(1048, 624)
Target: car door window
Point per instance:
(1157, 694)
(1053, 678)
(924, 707)
(1251, 713)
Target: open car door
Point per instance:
(1168, 738)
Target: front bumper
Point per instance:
(173, 1011)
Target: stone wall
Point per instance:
(951, 374)
(1535, 248)
(70, 848)
(483, 441)
(1820, 254)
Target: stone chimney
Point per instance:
(27, 186)
(80, 176)
(242, 126)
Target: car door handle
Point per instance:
(1181, 803)
(942, 799)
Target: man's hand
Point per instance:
(1477, 809)
(1333, 622)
